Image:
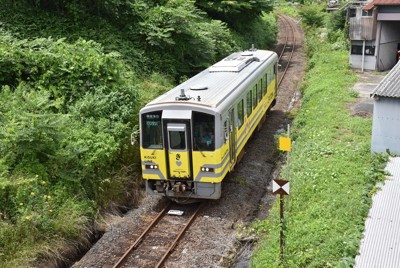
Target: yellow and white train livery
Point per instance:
(193, 135)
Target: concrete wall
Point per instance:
(386, 125)
(369, 60)
(356, 62)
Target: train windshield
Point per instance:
(152, 130)
(203, 132)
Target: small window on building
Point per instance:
(249, 99)
(240, 111)
(352, 12)
(357, 50)
(370, 50)
(367, 13)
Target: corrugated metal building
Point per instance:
(386, 118)
(380, 247)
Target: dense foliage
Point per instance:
(73, 75)
(66, 111)
(174, 37)
(332, 173)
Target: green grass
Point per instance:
(332, 174)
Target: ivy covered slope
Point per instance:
(332, 172)
(73, 75)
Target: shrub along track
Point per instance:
(213, 240)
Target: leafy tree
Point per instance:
(249, 19)
(187, 39)
(312, 15)
(235, 13)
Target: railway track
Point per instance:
(288, 47)
(153, 246)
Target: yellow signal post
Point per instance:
(285, 144)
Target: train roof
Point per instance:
(213, 86)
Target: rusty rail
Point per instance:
(180, 235)
(148, 232)
(289, 23)
(140, 238)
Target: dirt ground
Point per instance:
(213, 240)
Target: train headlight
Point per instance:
(206, 169)
(151, 166)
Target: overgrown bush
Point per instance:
(65, 116)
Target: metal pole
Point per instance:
(282, 243)
(281, 221)
(363, 56)
(288, 155)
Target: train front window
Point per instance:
(152, 130)
(177, 140)
(203, 132)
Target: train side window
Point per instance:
(259, 92)
(263, 86)
(249, 100)
(271, 74)
(152, 130)
(254, 96)
(226, 131)
(266, 83)
(240, 111)
(203, 132)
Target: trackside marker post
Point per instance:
(282, 187)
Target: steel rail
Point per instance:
(283, 18)
(286, 37)
(144, 233)
(179, 236)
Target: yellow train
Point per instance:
(193, 135)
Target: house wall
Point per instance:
(362, 27)
(386, 125)
(356, 60)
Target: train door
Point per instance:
(232, 136)
(177, 137)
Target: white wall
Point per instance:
(356, 62)
(386, 125)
